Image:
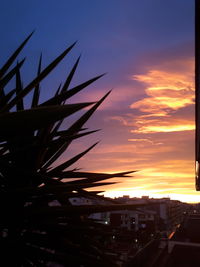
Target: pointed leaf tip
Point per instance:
(39, 78)
(11, 59)
(104, 97)
(67, 163)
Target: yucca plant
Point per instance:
(34, 233)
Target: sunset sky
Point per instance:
(146, 47)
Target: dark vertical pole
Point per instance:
(197, 92)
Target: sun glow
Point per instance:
(156, 138)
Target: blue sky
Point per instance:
(111, 34)
(146, 47)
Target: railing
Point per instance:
(145, 256)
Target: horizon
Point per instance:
(149, 197)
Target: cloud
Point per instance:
(166, 93)
(144, 140)
(168, 102)
(154, 135)
(167, 125)
(160, 122)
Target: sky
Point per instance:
(146, 49)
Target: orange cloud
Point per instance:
(156, 139)
(166, 126)
(167, 92)
(176, 128)
(165, 89)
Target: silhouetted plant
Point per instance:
(33, 233)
